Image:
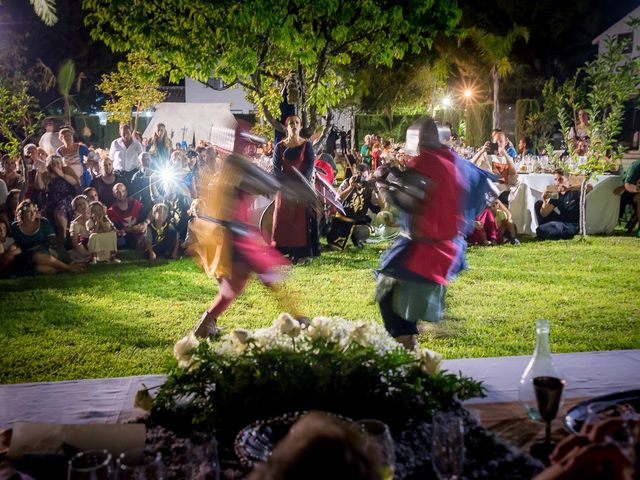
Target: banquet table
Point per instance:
(111, 400)
(602, 204)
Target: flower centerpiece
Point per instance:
(350, 368)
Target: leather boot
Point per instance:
(206, 326)
(407, 341)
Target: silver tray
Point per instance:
(576, 416)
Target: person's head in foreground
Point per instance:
(320, 447)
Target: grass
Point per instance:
(119, 320)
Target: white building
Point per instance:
(621, 31)
(196, 92)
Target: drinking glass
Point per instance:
(133, 466)
(447, 446)
(379, 433)
(91, 465)
(203, 461)
(548, 395)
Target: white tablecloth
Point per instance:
(110, 400)
(602, 204)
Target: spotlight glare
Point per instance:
(468, 93)
(446, 102)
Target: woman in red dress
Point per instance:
(295, 225)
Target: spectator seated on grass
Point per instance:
(78, 233)
(9, 173)
(131, 225)
(197, 208)
(494, 226)
(9, 251)
(161, 234)
(140, 188)
(8, 210)
(60, 185)
(105, 181)
(558, 212)
(358, 195)
(91, 194)
(630, 195)
(103, 239)
(179, 205)
(35, 237)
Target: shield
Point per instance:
(329, 194)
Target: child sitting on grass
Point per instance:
(78, 233)
(8, 248)
(196, 209)
(163, 237)
(103, 239)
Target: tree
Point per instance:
(133, 86)
(65, 79)
(495, 50)
(46, 10)
(259, 43)
(19, 115)
(602, 88)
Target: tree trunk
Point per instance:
(496, 106)
(320, 144)
(135, 119)
(301, 105)
(583, 207)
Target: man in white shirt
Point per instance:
(125, 152)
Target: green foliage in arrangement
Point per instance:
(353, 369)
(478, 121)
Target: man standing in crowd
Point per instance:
(125, 152)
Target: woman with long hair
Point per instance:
(295, 225)
(60, 184)
(35, 236)
(73, 156)
(159, 147)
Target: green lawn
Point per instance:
(119, 320)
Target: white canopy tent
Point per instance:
(192, 121)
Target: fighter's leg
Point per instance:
(229, 289)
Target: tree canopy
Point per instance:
(258, 43)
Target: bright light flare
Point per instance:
(468, 93)
(168, 176)
(446, 102)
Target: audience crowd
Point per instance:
(64, 204)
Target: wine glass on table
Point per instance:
(548, 392)
(447, 446)
(378, 432)
(91, 465)
(133, 466)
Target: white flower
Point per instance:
(242, 335)
(287, 325)
(429, 361)
(183, 348)
(319, 327)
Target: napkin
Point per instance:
(49, 438)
